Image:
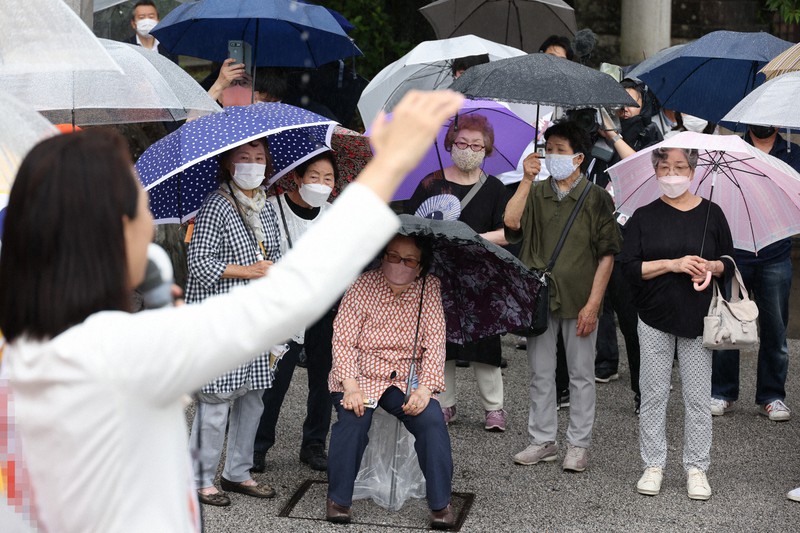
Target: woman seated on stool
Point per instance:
(373, 339)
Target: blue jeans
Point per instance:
(349, 440)
(769, 286)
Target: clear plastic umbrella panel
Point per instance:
(151, 88)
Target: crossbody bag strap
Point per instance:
(564, 233)
(285, 225)
(473, 191)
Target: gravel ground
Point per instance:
(753, 465)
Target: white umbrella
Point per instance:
(152, 88)
(47, 36)
(425, 67)
(772, 104)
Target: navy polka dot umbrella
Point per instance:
(180, 170)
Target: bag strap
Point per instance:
(283, 217)
(236, 207)
(473, 191)
(738, 290)
(564, 233)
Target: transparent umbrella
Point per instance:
(21, 128)
(151, 88)
(47, 36)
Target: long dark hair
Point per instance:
(63, 255)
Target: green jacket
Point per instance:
(593, 235)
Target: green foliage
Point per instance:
(385, 29)
(788, 9)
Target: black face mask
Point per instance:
(761, 132)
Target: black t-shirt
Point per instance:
(306, 213)
(483, 213)
(659, 231)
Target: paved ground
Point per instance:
(754, 463)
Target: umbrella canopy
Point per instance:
(47, 36)
(485, 289)
(151, 88)
(512, 135)
(282, 33)
(771, 104)
(426, 67)
(542, 79)
(352, 152)
(180, 169)
(523, 24)
(21, 128)
(786, 61)
(759, 194)
(707, 77)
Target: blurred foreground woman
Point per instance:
(98, 390)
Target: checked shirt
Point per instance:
(221, 238)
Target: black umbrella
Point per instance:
(485, 289)
(542, 79)
(523, 24)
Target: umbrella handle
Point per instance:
(701, 286)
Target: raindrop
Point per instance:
(304, 36)
(305, 78)
(305, 100)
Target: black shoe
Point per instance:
(503, 362)
(259, 462)
(562, 399)
(462, 363)
(522, 345)
(637, 404)
(338, 514)
(315, 457)
(606, 376)
(443, 519)
(302, 360)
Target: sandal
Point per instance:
(219, 499)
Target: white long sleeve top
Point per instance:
(99, 406)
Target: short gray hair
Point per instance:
(660, 154)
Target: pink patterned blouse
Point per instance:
(373, 336)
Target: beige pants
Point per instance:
(490, 385)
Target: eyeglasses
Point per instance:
(461, 145)
(668, 170)
(393, 257)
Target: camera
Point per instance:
(586, 118)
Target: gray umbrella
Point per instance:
(523, 24)
(542, 79)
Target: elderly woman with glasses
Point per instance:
(469, 144)
(373, 347)
(660, 259)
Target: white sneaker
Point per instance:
(650, 482)
(794, 494)
(697, 485)
(776, 411)
(720, 407)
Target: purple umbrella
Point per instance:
(511, 136)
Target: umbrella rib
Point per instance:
(685, 79)
(464, 19)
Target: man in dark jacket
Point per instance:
(144, 18)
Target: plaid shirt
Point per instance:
(220, 238)
(373, 336)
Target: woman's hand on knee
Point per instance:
(353, 400)
(417, 401)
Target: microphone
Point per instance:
(156, 288)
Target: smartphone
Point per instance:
(236, 51)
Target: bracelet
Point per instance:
(616, 138)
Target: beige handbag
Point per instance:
(731, 324)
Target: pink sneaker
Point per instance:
(495, 420)
(449, 414)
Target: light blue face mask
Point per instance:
(560, 166)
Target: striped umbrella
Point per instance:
(786, 61)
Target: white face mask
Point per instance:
(315, 194)
(248, 176)
(560, 166)
(467, 160)
(673, 186)
(143, 26)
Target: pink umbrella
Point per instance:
(759, 194)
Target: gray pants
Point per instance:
(543, 418)
(208, 429)
(658, 352)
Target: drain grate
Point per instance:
(308, 503)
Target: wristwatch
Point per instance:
(616, 138)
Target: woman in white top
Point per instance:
(297, 210)
(99, 390)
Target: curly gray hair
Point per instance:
(660, 154)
